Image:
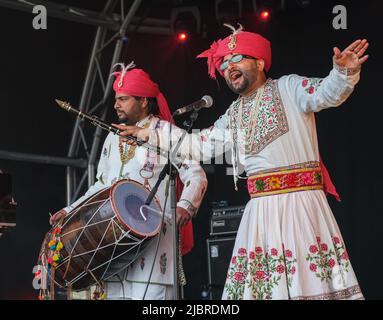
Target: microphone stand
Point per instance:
(171, 170)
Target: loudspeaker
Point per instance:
(219, 252)
(225, 220)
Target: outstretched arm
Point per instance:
(200, 146)
(315, 94)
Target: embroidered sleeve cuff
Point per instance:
(346, 71)
(188, 206)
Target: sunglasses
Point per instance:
(234, 59)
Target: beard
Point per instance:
(241, 87)
(125, 119)
(242, 83)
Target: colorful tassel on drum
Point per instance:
(55, 246)
(99, 292)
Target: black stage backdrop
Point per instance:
(38, 66)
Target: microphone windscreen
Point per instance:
(208, 100)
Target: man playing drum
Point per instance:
(138, 101)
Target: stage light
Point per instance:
(185, 23)
(182, 36)
(264, 15)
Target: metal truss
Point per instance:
(111, 31)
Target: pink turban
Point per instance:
(136, 82)
(239, 42)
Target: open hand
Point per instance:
(353, 56)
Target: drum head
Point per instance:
(128, 201)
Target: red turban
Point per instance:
(136, 82)
(239, 42)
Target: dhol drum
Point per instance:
(105, 234)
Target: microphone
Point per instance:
(204, 102)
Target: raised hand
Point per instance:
(57, 216)
(353, 56)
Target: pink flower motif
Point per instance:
(345, 255)
(240, 266)
(293, 269)
(331, 263)
(260, 274)
(313, 267)
(259, 265)
(274, 252)
(267, 98)
(307, 178)
(318, 240)
(313, 249)
(250, 186)
(304, 82)
(242, 251)
(288, 253)
(310, 90)
(280, 268)
(252, 255)
(272, 109)
(234, 260)
(203, 138)
(258, 250)
(324, 247)
(238, 276)
(336, 240)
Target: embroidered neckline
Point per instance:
(127, 152)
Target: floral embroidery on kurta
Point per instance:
(237, 274)
(162, 262)
(271, 121)
(285, 181)
(310, 85)
(260, 271)
(323, 258)
(205, 133)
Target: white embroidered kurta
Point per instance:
(288, 246)
(110, 169)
